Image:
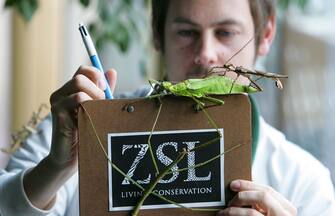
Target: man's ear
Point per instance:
(268, 36)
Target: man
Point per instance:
(192, 36)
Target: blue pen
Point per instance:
(94, 56)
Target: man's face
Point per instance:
(200, 34)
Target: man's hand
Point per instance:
(87, 84)
(254, 199)
(43, 181)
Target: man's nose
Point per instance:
(206, 53)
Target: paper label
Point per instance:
(196, 187)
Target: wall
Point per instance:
(5, 74)
(309, 98)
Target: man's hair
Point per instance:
(261, 10)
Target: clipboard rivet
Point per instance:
(130, 108)
(197, 108)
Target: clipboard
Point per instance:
(123, 127)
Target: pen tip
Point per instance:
(81, 24)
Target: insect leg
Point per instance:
(149, 138)
(152, 82)
(158, 95)
(255, 85)
(217, 102)
(233, 83)
(209, 118)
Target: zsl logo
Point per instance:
(165, 160)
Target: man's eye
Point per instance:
(225, 33)
(187, 33)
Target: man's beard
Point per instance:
(198, 72)
(202, 72)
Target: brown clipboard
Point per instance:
(133, 115)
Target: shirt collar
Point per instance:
(255, 120)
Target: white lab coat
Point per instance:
(293, 172)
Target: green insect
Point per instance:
(216, 84)
(201, 88)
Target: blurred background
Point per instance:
(41, 48)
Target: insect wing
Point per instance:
(218, 85)
(179, 89)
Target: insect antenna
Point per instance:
(238, 51)
(228, 67)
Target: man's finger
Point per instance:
(111, 75)
(95, 75)
(235, 211)
(79, 83)
(244, 185)
(263, 201)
